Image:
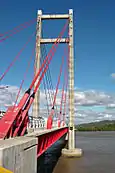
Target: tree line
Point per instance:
(103, 127)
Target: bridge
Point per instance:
(24, 135)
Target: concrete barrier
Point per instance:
(19, 154)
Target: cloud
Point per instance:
(8, 95)
(90, 105)
(113, 75)
(85, 116)
(110, 106)
(93, 98)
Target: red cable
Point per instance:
(50, 52)
(28, 96)
(15, 32)
(26, 72)
(14, 60)
(42, 75)
(25, 75)
(28, 66)
(62, 97)
(35, 90)
(65, 101)
(58, 81)
(65, 76)
(49, 121)
(5, 33)
(66, 83)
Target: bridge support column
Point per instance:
(71, 151)
(35, 109)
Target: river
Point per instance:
(98, 155)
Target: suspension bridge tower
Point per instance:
(71, 151)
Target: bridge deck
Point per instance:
(21, 149)
(39, 132)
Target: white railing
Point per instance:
(41, 123)
(36, 122)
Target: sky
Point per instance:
(94, 42)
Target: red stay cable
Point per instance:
(16, 58)
(44, 71)
(15, 31)
(62, 96)
(50, 54)
(23, 24)
(49, 121)
(17, 112)
(33, 51)
(65, 100)
(23, 102)
(25, 75)
(30, 100)
(58, 81)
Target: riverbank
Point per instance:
(97, 126)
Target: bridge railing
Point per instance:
(41, 123)
(36, 122)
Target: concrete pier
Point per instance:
(19, 154)
(77, 152)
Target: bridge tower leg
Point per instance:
(35, 108)
(71, 141)
(71, 151)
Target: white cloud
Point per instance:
(87, 100)
(93, 98)
(107, 116)
(8, 96)
(110, 106)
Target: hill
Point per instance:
(105, 125)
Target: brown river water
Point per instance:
(98, 155)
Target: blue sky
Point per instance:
(94, 41)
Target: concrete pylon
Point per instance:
(35, 108)
(71, 151)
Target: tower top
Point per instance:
(70, 11)
(39, 12)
